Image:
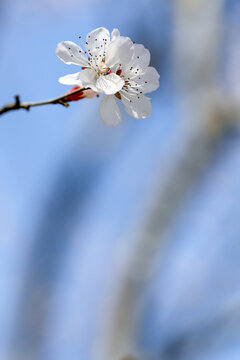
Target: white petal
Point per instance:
(115, 34)
(141, 58)
(88, 77)
(109, 84)
(96, 41)
(148, 81)
(109, 111)
(119, 51)
(71, 79)
(70, 53)
(137, 108)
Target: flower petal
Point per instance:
(119, 51)
(109, 84)
(96, 41)
(115, 34)
(139, 108)
(70, 53)
(88, 77)
(109, 111)
(71, 79)
(148, 81)
(141, 58)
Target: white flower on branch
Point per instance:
(116, 67)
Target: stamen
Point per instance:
(85, 52)
(118, 95)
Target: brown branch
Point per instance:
(17, 104)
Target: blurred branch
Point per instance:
(196, 32)
(205, 333)
(17, 104)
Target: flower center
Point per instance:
(103, 69)
(96, 61)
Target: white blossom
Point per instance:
(116, 67)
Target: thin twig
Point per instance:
(17, 104)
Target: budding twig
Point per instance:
(17, 104)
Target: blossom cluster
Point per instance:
(115, 66)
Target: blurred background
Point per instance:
(121, 242)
